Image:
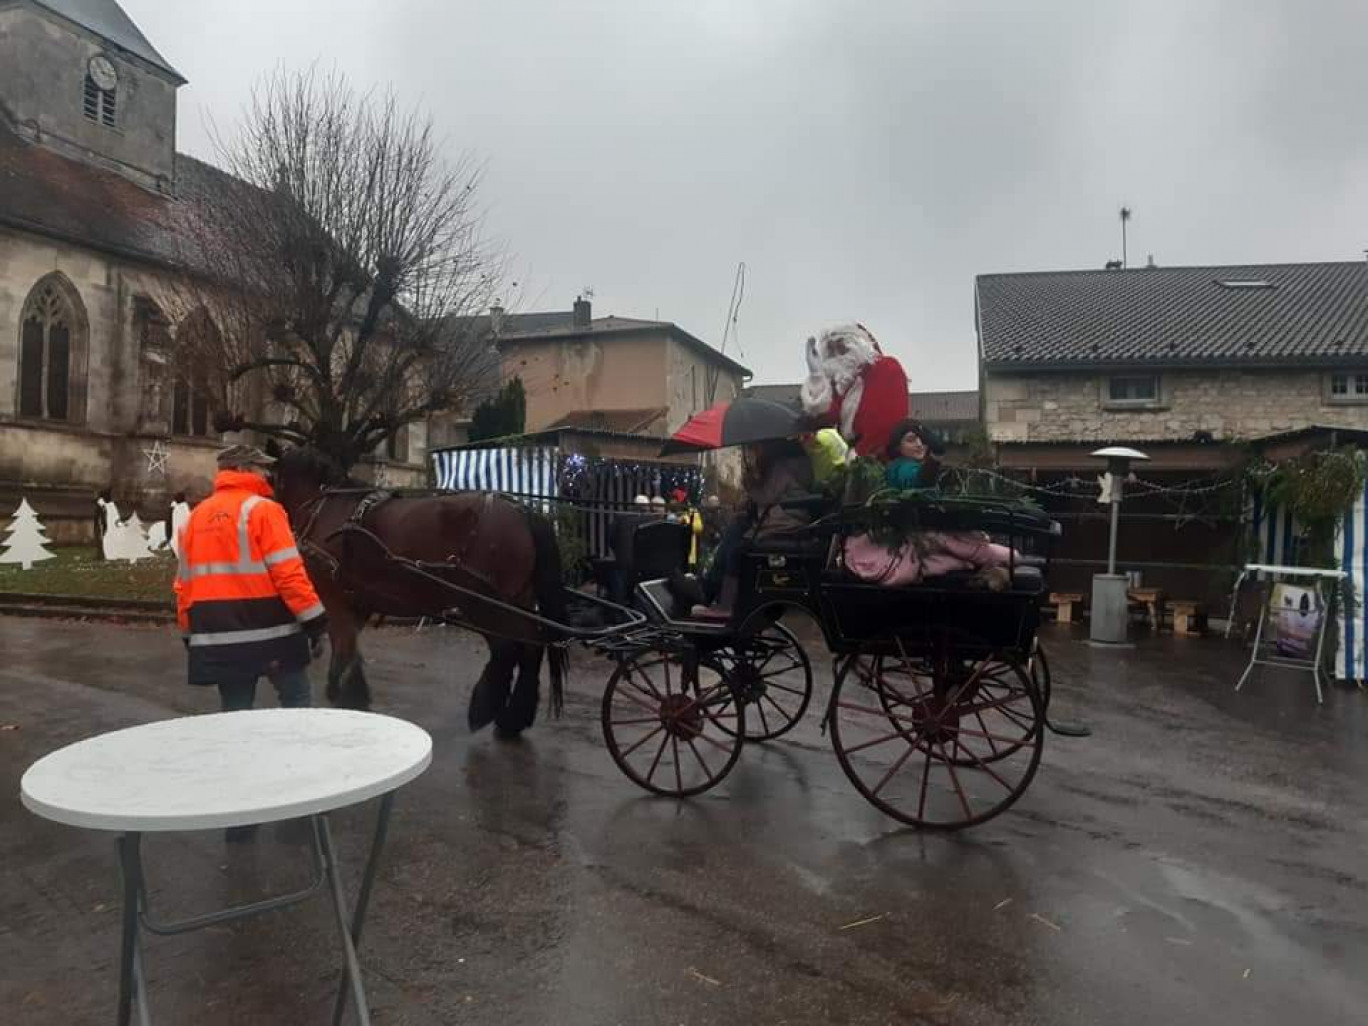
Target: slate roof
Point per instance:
(932, 407)
(49, 194)
(108, 20)
(619, 422)
(535, 327)
(1175, 316)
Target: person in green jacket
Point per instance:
(828, 452)
(911, 455)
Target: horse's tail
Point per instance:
(547, 585)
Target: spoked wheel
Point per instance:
(942, 744)
(673, 727)
(1040, 673)
(772, 676)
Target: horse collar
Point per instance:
(368, 502)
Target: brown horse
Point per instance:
(363, 548)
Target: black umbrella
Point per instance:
(740, 422)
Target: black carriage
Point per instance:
(938, 706)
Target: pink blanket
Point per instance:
(927, 554)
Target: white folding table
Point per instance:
(1318, 576)
(230, 770)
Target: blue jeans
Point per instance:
(292, 688)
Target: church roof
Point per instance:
(109, 21)
(46, 193)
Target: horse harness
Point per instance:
(356, 522)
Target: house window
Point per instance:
(51, 352)
(98, 103)
(1348, 387)
(1133, 389)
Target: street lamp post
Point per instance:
(1110, 602)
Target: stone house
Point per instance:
(613, 386)
(95, 204)
(1169, 359)
(1198, 367)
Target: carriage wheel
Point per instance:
(1040, 674)
(772, 676)
(673, 727)
(996, 705)
(943, 744)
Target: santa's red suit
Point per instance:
(853, 386)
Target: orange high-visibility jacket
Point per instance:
(243, 596)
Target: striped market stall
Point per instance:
(1351, 551)
(1276, 533)
(597, 488)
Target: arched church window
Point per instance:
(153, 332)
(52, 347)
(191, 407)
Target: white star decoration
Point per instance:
(156, 458)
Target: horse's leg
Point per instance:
(521, 711)
(490, 695)
(347, 685)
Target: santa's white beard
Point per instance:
(839, 376)
(845, 370)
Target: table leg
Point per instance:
(1324, 610)
(1234, 601)
(363, 896)
(1264, 613)
(352, 966)
(132, 986)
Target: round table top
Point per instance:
(226, 769)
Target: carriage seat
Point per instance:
(660, 604)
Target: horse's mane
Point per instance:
(319, 466)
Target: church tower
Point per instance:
(78, 77)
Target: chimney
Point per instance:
(1149, 263)
(496, 315)
(583, 313)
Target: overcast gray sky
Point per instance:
(865, 158)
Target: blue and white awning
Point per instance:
(524, 472)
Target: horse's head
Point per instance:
(300, 476)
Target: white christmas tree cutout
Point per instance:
(24, 538)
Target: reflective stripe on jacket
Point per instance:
(242, 593)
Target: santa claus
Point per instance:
(852, 385)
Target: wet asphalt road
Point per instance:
(1200, 859)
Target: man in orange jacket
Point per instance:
(245, 604)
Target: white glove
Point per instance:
(814, 358)
(816, 391)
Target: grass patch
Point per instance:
(76, 572)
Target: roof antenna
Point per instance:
(1125, 217)
(728, 329)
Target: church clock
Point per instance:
(102, 72)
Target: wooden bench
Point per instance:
(1189, 619)
(1152, 601)
(1068, 606)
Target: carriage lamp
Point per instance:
(1110, 608)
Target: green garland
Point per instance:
(1317, 488)
(893, 517)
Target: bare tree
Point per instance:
(342, 267)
